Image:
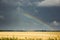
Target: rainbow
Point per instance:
(37, 20)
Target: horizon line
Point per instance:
(29, 30)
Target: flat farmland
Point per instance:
(35, 35)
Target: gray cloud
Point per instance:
(13, 13)
(55, 25)
(2, 17)
(48, 3)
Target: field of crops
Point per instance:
(29, 35)
(7, 38)
(15, 38)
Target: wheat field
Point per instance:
(30, 35)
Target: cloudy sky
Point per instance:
(29, 14)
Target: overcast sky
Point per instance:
(29, 14)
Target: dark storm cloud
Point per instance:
(49, 13)
(7, 8)
(11, 14)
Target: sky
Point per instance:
(29, 14)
